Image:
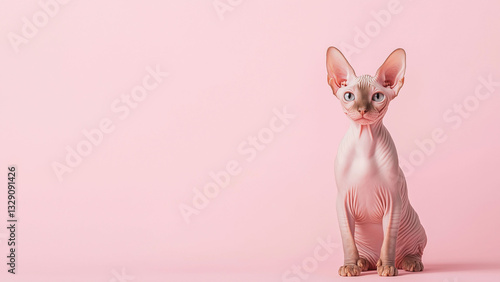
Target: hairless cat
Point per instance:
(379, 228)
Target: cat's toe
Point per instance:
(363, 264)
(349, 270)
(412, 263)
(386, 270)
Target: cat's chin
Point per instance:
(363, 121)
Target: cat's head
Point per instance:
(365, 98)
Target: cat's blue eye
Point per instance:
(348, 96)
(378, 97)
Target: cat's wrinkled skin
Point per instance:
(380, 229)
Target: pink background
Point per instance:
(119, 209)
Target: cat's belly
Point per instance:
(367, 203)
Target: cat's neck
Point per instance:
(370, 132)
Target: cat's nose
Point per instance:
(362, 110)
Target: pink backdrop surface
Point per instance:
(246, 100)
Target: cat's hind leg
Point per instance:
(367, 258)
(363, 264)
(412, 263)
(369, 238)
(411, 244)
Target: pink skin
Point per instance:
(379, 228)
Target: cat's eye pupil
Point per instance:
(378, 97)
(349, 96)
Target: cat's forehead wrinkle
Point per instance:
(365, 84)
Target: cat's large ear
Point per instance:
(392, 72)
(339, 70)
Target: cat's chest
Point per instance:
(366, 162)
(353, 170)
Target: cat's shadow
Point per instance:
(455, 267)
(446, 267)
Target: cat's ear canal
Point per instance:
(391, 73)
(339, 70)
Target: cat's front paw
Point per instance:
(349, 270)
(386, 270)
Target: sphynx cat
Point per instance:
(379, 228)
